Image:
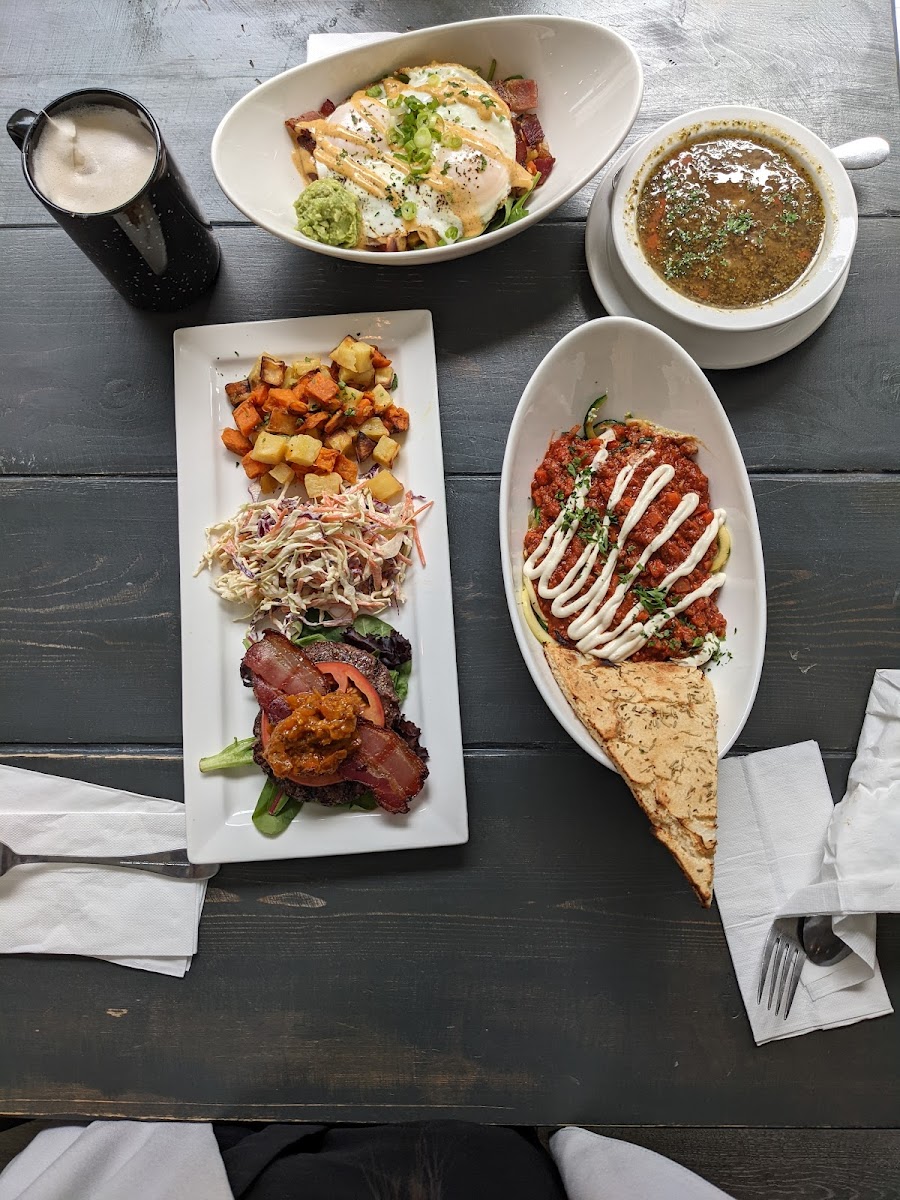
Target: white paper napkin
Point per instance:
(129, 917)
(593, 1167)
(774, 812)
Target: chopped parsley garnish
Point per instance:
(654, 600)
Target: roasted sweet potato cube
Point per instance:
(278, 398)
(313, 422)
(254, 469)
(259, 395)
(321, 387)
(235, 441)
(378, 359)
(364, 409)
(396, 419)
(335, 421)
(282, 422)
(247, 417)
(364, 447)
(346, 468)
(237, 391)
(271, 370)
(325, 460)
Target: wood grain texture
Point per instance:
(97, 398)
(555, 969)
(830, 67)
(89, 611)
(782, 1164)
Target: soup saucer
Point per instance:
(714, 350)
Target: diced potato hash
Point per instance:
(318, 422)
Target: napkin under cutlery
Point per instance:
(785, 850)
(130, 917)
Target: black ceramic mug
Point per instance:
(157, 249)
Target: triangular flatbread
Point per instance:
(657, 722)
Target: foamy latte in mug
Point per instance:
(97, 161)
(93, 159)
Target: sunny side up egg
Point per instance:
(472, 167)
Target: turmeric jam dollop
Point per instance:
(317, 736)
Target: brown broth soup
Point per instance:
(732, 220)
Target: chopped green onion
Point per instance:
(422, 138)
(375, 91)
(452, 234)
(433, 79)
(394, 102)
(490, 74)
(454, 141)
(401, 76)
(407, 210)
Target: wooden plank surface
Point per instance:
(89, 611)
(555, 969)
(190, 61)
(831, 404)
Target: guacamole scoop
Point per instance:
(327, 212)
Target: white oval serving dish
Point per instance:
(590, 86)
(647, 374)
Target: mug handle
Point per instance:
(19, 123)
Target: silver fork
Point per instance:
(170, 862)
(784, 951)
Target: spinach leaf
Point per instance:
(238, 754)
(400, 679)
(274, 811)
(372, 625)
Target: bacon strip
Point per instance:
(544, 164)
(282, 665)
(531, 130)
(385, 763)
(520, 94)
(271, 700)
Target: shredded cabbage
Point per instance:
(340, 555)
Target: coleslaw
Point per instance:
(323, 562)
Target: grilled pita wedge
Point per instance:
(657, 722)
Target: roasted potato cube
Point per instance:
(385, 487)
(344, 354)
(247, 417)
(300, 367)
(322, 485)
(364, 448)
(302, 450)
(267, 484)
(237, 391)
(270, 448)
(272, 370)
(283, 473)
(374, 428)
(363, 353)
(350, 397)
(253, 468)
(340, 441)
(282, 422)
(384, 375)
(253, 377)
(235, 441)
(385, 451)
(381, 398)
(346, 468)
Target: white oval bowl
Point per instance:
(644, 372)
(827, 267)
(590, 86)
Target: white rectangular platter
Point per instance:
(216, 706)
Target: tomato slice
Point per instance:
(343, 674)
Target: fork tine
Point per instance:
(766, 959)
(790, 961)
(794, 981)
(780, 949)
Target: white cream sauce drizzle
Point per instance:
(590, 630)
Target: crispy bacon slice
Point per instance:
(385, 763)
(283, 666)
(530, 128)
(520, 94)
(544, 164)
(271, 700)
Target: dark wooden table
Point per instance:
(556, 969)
